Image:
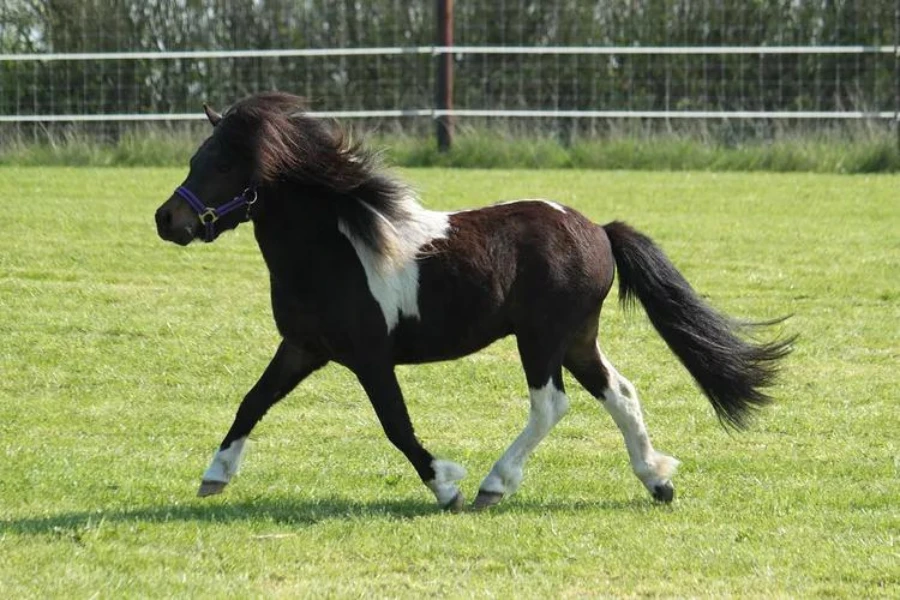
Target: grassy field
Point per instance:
(122, 360)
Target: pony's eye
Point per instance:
(223, 165)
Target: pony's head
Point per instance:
(261, 140)
(220, 171)
(266, 142)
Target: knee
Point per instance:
(560, 406)
(547, 414)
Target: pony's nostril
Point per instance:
(163, 219)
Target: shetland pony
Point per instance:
(364, 276)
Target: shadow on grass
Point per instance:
(285, 511)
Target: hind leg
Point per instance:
(548, 405)
(655, 470)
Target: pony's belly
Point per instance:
(415, 343)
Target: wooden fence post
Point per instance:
(444, 83)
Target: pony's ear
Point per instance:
(212, 115)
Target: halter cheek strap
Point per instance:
(209, 215)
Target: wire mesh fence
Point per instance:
(115, 61)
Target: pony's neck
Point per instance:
(294, 222)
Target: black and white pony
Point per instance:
(364, 276)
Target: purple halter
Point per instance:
(208, 216)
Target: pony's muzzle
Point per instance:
(175, 225)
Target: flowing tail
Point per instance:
(731, 371)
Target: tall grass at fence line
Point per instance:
(149, 146)
(853, 148)
(845, 148)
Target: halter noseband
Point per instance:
(209, 215)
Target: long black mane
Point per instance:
(286, 146)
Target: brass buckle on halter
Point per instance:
(208, 216)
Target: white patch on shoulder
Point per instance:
(550, 203)
(446, 474)
(226, 462)
(394, 279)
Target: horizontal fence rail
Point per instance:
(439, 50)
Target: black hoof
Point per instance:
(486, 499)
(456, 505)
(664, 492)
(211, 488)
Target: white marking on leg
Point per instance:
(621, 401)
(446, 475)
(226, 462)
(393, 278)
(548, 405)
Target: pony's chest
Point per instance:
(336, 312)
(302, 309)
(295, 316)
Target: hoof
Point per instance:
(211, 488)
(485, 500)
(664, 492)
(456, 505)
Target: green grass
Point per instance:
(867, 148)
(123, 359)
